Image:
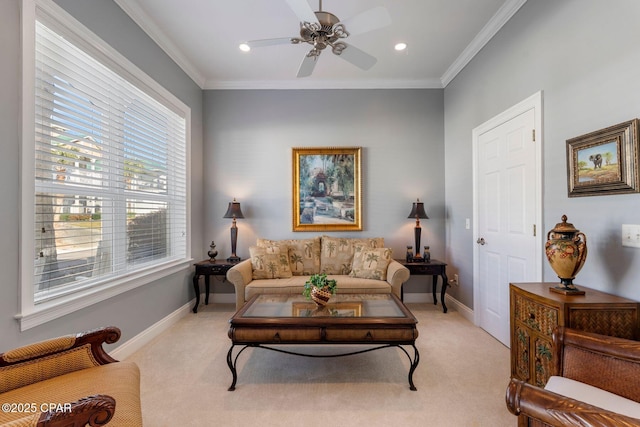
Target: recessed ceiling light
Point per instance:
(244, 47)
(400, 46)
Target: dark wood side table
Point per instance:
(208, 268)
(433, 268)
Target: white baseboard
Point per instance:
(220, 298)
(134, 344)
(464, 311)
(416, 297)
(452, 303)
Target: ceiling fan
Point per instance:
(322, 29)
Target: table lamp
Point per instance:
(234, 211)
(417, 212)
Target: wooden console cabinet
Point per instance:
(536, 311)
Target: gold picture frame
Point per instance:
(604, 162)
(327, 189)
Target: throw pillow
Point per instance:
(371, 263)
(271, 262)
(337, 252)
(304, 254)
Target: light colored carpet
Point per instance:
(461, 379)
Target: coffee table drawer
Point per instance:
(275, 335)
(371, 335)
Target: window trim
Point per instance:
(32, 315)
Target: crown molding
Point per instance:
(324, 84)
(502, 16)
(140, 17)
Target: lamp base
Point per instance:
(234, 259)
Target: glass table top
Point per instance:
(339, 306)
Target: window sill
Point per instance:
(54, 309)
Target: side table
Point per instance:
(208, 268)
(536, 311)
(433, 268)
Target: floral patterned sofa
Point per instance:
(359, 265)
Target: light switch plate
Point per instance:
(631, 235)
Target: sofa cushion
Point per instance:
(294, 284)
(593, 396)
(304, 254)
(370, 263)
(336, 256)
(119, 380)
(270, 262)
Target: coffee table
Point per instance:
(380, 320)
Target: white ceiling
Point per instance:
(202, 36)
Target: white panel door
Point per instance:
(507, 213)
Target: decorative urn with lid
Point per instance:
(566, 250)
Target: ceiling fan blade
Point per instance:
(369, 20)
(357, 57)
(269, 42)
(307, 66)
(302, 10)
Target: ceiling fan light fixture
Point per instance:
(400, 46)
(321, 30)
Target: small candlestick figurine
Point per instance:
(409, 253)
(426, 256)
(212, 252)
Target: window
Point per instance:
(108, 192)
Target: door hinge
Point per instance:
(534, 230)
(533, 135)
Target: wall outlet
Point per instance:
(631, 235)
(467, 223)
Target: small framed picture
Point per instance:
(604, 162)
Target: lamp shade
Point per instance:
(417, 211)
(234, 211)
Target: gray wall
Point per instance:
(248, 139)
(132, 311)
(584, 56)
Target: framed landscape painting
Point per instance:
(604, 162)
(327, 189)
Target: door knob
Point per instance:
(481, 241)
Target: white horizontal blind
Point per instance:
(110, 172)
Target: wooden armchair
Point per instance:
(69, 381)
(607, 363)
